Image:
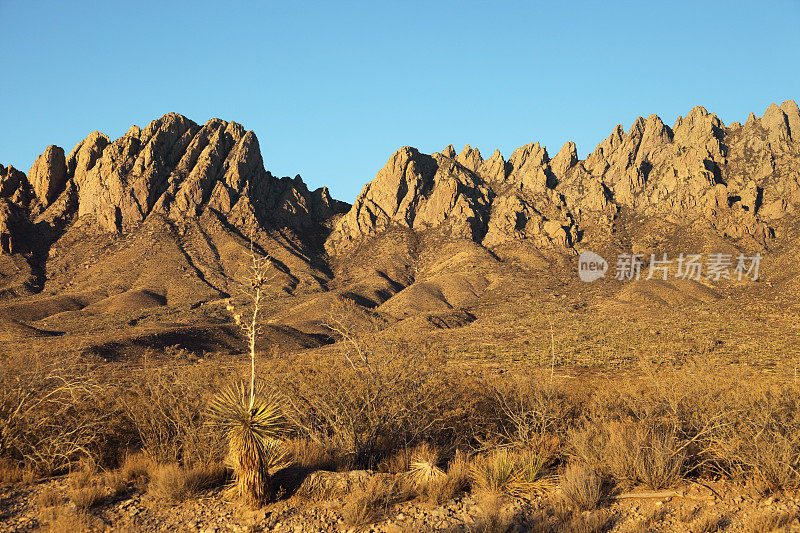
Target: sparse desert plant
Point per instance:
(174, 483)
(251, 423)
(371, 503)
(424, 467)
(581, 487)
(512, 473)
(87, 496)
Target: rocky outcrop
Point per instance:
(16, 198)
(175, 168)
(419, 192)
(734, 179)
(48, 175)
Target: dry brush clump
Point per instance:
(581, 487)
(172, 482)
(368, 408)
(165, 403)
(510, 472)
(53, 413)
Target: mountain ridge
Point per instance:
(162, 218)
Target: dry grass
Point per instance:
(512, 473)
(581, 487)
(49, 497)
(14, 473)
(405, 409)
(633, 453)
(85, 488)
(372, 503)
(310, 455)
(65, 520)
(455, 481)
(136, 468)
(174, 483)
(768, 521)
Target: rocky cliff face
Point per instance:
(736, 180)
(173, 167)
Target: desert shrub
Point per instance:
(166, 406)
(62, 519)
(532, 411)
(309, 455)
(87, 496)
(456, 480)
(581, 487)
(135, 467)
(49, 497)
(632, 453)
(174, 483)
(370, 406)
(52, 414)
(513, 473)
(758, 438)
(373, 502)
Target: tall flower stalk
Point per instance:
(251, 418)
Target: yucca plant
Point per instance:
(250, 418)
(512, 473)
(252, 424)
(424, 465)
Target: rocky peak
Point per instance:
(172, 167)
(48, 175)
(565, 159)
(694, 173)
(470, 158)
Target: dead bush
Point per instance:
(370, 403)
(87, 497)
(372, 503)
(52, 414)
(632, 453)
(758, 439)
(136, 468)
(581, 487)
(174, 483)
(62, 519)
(166, 405)
(49, 497)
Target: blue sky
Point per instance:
(332, 89)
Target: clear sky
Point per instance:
(331, 89)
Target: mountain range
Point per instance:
(138, 241)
